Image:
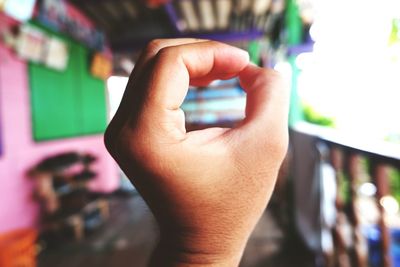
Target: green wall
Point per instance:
(70, 103)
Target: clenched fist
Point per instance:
(208, 188)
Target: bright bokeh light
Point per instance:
(390, 205)
(351, 75)
(367, 189)
(115, 87)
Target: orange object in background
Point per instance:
(17, 248)
(101, 66)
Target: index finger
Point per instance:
(134, 93)
(175, 67)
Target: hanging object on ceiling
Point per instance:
(242, 6)
(307, 10)
(101, 66)
(207, 15)
(260, 7)
(55, 15)
(224, 8)
(189, 14)
(21, 10)
(277, 6)
(56, 54)
(8, 36)
(2, 2)
(34, 45)
(227, 19)
(31, 44)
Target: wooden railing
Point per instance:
(356, 163)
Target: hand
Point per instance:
(208, 188)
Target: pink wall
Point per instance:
(20, 152)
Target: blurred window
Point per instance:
(115, 88)
(352, 78)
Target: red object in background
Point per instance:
(17, 248)
(20, 10)
(7, 22)
(156, 3)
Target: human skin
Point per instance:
(208, 188)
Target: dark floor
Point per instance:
(128, 238)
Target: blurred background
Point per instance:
(64, 65)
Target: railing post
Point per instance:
(342, 257)
(359, 242)
(379, 173)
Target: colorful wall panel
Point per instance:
(20, 151)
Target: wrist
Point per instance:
(195, 252)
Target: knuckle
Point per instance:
(270, 76)
(154, 46)
(109, 140)
(135, 146)
(168, 53)
(168, 56)
(275, 75)
(115, 141)
(214, 43)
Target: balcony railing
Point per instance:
(365, 183)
